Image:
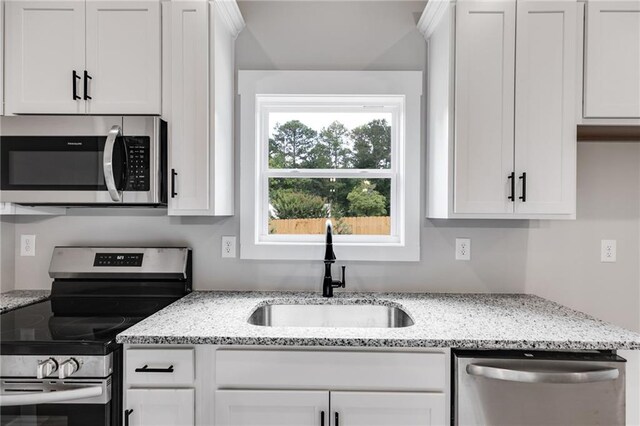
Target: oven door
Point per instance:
(55, 402)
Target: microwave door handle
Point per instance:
(35, 398)
(107, 163)
(526, 376)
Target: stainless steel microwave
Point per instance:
(114, 169)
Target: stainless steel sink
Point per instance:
(370, 316)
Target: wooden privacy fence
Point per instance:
(373, 225)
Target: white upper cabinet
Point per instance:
(485, 54)
(123, 57)
(612, 60)
(1, 57)
(501, 138)
(545, 125)
(77, 57)
(198, 59)
(44, 57)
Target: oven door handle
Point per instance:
(526, 376)
(34, 398)
(107, 163)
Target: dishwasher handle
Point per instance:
(528, 376)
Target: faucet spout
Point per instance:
(329, 255)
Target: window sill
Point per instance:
(388, 252)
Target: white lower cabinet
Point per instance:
(321, 408)
(282, 408)
(207, 385)
(387, 409)
(160, 407)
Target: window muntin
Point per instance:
(296, 133)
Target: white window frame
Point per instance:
(262, 92)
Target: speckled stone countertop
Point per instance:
(18, 298)
(486, 321)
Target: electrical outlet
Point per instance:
(228, 246)
(463, 249)
(27, 245)
(608, 251)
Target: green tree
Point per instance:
(372, 150)
(332, 150)
(364, 200)
(291, 144)
(289, 204)
(372, 145)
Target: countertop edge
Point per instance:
(15, 299)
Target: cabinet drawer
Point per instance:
(173, 367)
(349, 370)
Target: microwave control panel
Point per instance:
(138, 163)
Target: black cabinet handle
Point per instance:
(146, 369)
(73, 83)
(523, 178)
(127, 413)
(87, 77)
(173, 183)
(337, 419)
(321, 418)
(512, 179)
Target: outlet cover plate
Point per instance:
(463, 249)
(608, 251)
(228, 247)
(27, 245)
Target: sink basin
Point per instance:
(368, 316)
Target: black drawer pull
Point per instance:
(75, 89)
(337, 419)
(512, 180)
(321, 418)
(87, 77)
(127, 413)
(173, 183)
(146, 369)
(523, 178)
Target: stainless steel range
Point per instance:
(59, 360)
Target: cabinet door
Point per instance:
(1, 57)
(387, 409)
(190, 152)
(161, 407)
(45, 43)
(484, 110)
(123, 56)
(262, 408)
(612, 62)
(545, 147)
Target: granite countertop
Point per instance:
(483, 321)
(18, 298)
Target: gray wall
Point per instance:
(7, 258)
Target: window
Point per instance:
(330, 145)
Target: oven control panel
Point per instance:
(118, 259)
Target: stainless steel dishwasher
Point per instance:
(520, 388)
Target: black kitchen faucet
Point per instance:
(328, 283)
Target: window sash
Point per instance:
(265, 104)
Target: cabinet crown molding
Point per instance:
(230, 13)
(431, 16)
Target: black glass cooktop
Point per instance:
(36, 330)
